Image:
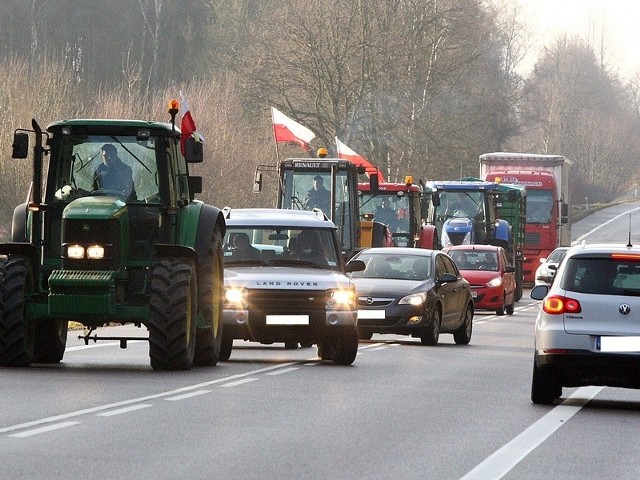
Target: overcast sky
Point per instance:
(617, 21)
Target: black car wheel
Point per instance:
(432, 333)
(462, 336)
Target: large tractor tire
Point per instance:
(172, 314)
(50, 341)
(210, 292)
(16, 335)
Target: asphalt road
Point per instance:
(402, 410)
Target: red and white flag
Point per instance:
(347, 153)
(287, 130)
(187, 125)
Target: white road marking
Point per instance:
(48, 428)
(239, 382)
(102, 408)
(99, 345)
(283, 370)
(508, 456)
(187, 395)
(582, 237)
(120, 411)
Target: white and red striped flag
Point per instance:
(347, 153)
(286, 130)
(187, 125)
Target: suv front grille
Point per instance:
(287, 301)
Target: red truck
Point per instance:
(546, 178)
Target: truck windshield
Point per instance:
(280, 246)
(109, 165)
(539, 206)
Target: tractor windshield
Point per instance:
(123, 166)
(389, 208)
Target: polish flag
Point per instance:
(347, 153)
(289, 131)
(187, 126)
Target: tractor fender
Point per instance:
(211, 218)
(19, 224)
(428, 237)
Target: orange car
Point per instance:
(492, 279)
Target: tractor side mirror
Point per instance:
(193, 152)
(374, 183)
(20, 145)
(257, 182)
(195, 184)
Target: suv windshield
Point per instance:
(280, 246)
(603, 276)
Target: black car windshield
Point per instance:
(394, 266)
(281, 247)
(602, 276)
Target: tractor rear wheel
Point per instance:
(210, 292)
(16, 335)
(172, 314)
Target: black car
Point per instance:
(412, 291)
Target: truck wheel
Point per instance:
(172, 315)
(16, 335)
(225, 348)
(50, 340)
(345, 349)
(210, 292)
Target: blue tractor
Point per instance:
(466, 213)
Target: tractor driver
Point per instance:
(114, 174)
(318, 196)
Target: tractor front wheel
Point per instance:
(172, 314)
(16, 334)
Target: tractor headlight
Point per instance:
(415, 299)
(235, 297)
(341, 299)
(75, 252)
(95, 252)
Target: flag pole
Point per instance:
(275, 140)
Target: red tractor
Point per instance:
(403, 207)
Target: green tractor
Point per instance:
(102, 243)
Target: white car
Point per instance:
(285, 282)
(588, 329)
(548, 266)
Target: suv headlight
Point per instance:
(235, 297)
(415, 299)
(341, 299)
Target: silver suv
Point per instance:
(284, 280)
(588, 329)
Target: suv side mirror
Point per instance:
(539, 292)
(355, 266)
